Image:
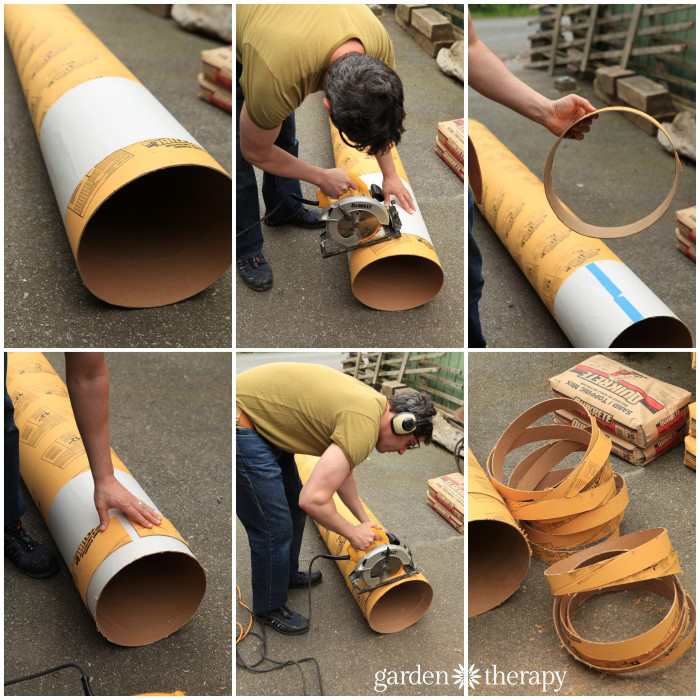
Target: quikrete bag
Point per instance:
(640, 456)
(626, 403)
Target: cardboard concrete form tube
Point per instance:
(139, 584)
(388, 609)
(594, 297)
(638, 561)
(128, 178)
(499, 555)
(402, 273)
(559, 509)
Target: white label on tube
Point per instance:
(92, 121)
(410, 223)
(73, 514)
(601, 300)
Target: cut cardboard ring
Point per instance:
(573, 222)
(637, 561)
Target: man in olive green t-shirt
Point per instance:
(286, 408)
(283, 54)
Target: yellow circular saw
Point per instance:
(356, 218)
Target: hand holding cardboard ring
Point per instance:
(573, 222)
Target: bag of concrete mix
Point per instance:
(626, 403)
(639, 456)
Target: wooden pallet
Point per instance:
(374, 368)
(602, 38)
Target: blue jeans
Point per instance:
(14, 503)
(475, 338)
(267, 504)
(274, 186)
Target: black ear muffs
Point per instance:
(403, 423)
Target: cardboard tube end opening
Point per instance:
(150, 598)
(660, 331)
(498, 561)
(159, 239)
(398, 282)
(400, 607)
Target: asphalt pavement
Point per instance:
(311, 303)
(519, 635)
(46, 303)
(349, 653)
(613, 177)
(171, 425)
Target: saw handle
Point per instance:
(325, 201)
(356, 554)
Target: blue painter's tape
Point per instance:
(614, 292)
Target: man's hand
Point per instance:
(335, 181)
(363, 535)
(562, 113)
(109, 493)
(393, 185)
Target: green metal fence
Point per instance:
(677, 69)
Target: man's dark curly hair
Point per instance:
(366, 98)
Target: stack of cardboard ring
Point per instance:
(559, 510)
(639, 561)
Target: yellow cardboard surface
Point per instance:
(51, 450)
(141, 251)
(420, 595)
(560, 509)
(417, 276)
(54, 52)
(516, 207)
(51, 457)
(93, 550)
(638, 561)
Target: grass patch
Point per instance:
(494, 11)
